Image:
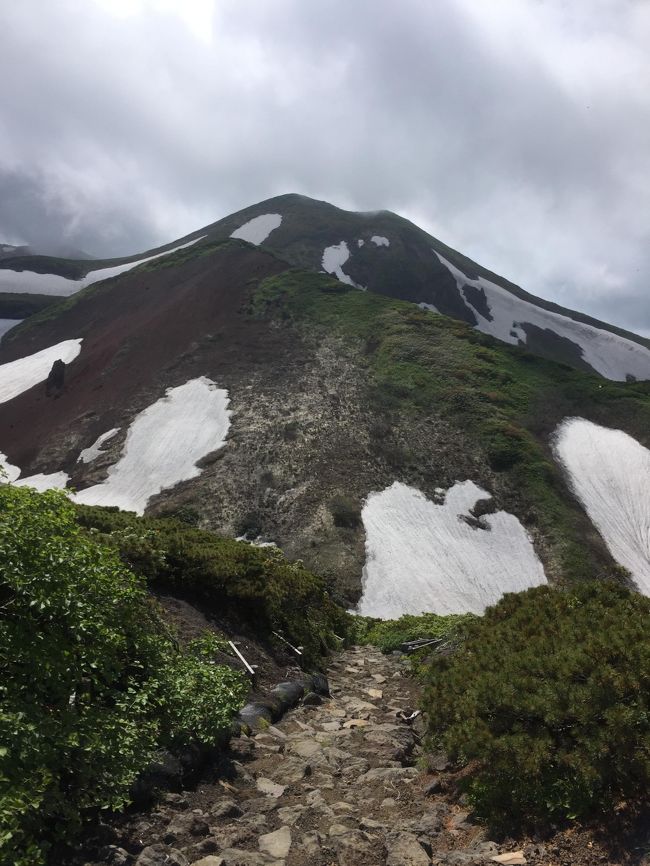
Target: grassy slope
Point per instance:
(14, 305)
(510, 400)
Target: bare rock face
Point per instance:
(55, 379)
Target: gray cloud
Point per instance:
(517, 131)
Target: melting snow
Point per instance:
(39, 482)
(42, 482)
(610, 355)
(11, 472)
(380, 241)
(257, 230)
(23, 374)
(28, 282)
(93, 452)
(163, 445)
(334, 258)
(421, 556)
(610, 474)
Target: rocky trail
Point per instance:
(336, 782)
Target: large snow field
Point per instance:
(609, 472)
(93, 451)
(23, 374)
(163, 444)
(28, 282)
(334, 258)
(611, 355)
(7, 325)
(257, 230)
(420, 555)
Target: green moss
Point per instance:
(510, 400)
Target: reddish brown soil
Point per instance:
(143, 333)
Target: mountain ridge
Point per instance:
(307, 227)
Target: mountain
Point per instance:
(387, 254)
(411, 457)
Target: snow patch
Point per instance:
(609, 472)
(334, 258)
(257, 230)
(95, 450)
(40, 482)
(612, 356)
(11, 472)
(28, 282)
(429, 307)
(23, 374)
(360, 243)
(163, 445)
(422, 556)
(43, 482)
(380, 241)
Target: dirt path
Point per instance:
(336, 782)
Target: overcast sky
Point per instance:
(517, 131)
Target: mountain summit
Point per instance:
(420, 431)
(386, 254)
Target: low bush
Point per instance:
(390, 634)
(345, 512)
(91, 681)
(547, 703)
(256, 585)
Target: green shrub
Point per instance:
(345, 512)
(91, 682)
(390, 634)
(548, 703)
(255, 585)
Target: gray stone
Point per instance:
(161, 855)
(226, 809)
(115, 856)
(388, 774)
(271, 789)
(338, 830)
(290, 814)
(211, 860)
(403, 849)
(357, 848)
(313, 843)
(305, 748)
(276, 844)
(186, 824)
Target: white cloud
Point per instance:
(518, 130)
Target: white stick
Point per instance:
(246, 665)
(295, 649)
